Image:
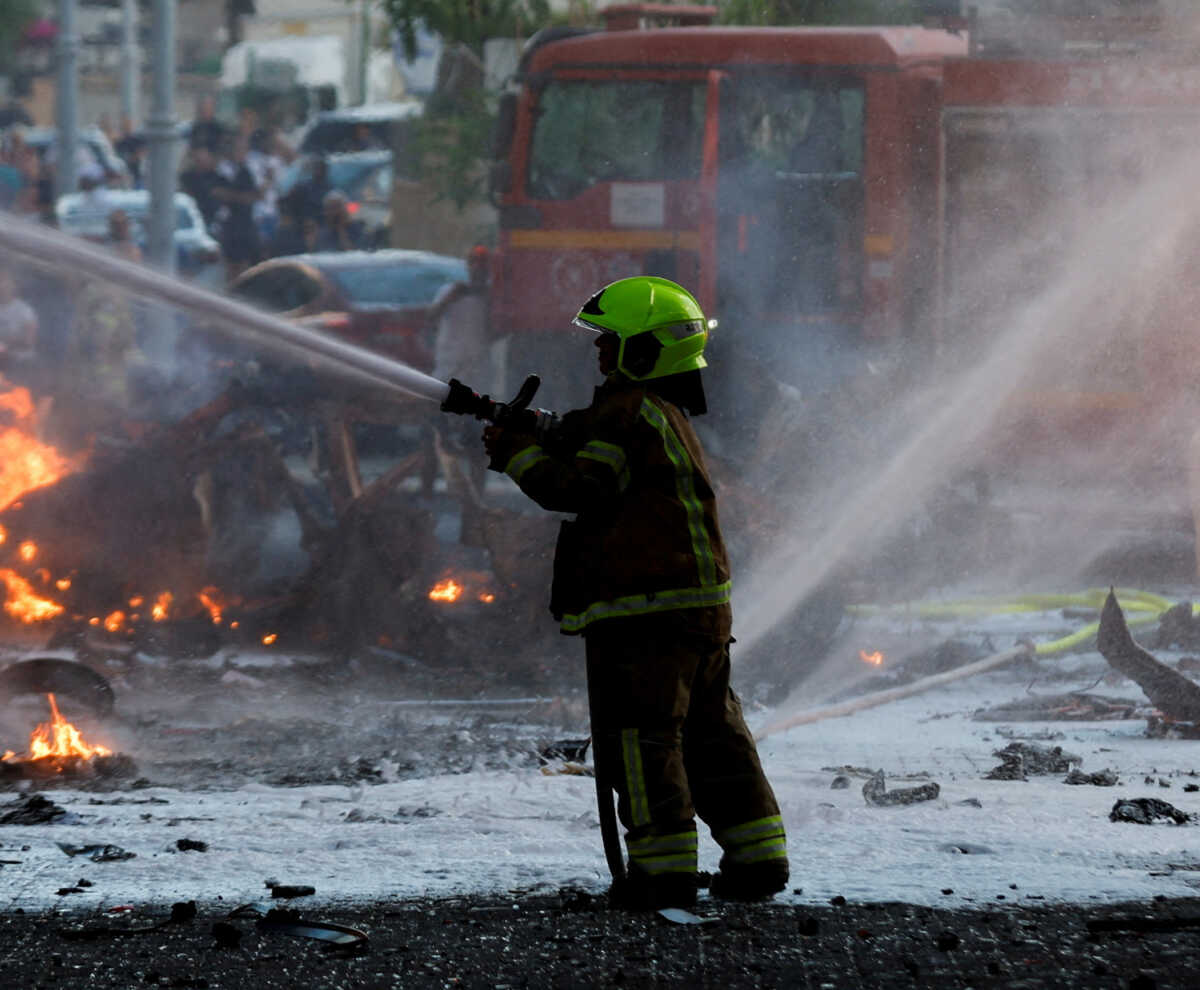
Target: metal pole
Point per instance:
(130, 61)
(67, 100)
(160, 133)
(364, 47)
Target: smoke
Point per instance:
(1061, 304)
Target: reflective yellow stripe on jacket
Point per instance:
(708, 593)
(685, 489)
(523, 460)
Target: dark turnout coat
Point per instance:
(646, 537)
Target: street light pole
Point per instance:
(66, 172)
(160, 133)
(130, 62)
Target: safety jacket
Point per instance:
(646, 538)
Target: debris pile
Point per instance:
(1020, 759)
(1146, 811)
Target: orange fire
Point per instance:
(27, 551)
(25, 462)
(22, 603)
(875, 658)
(447, 590)
(58, 737)
(212, 599)
(161, 608)
(270, 638)
(114, 621)
(486, 597)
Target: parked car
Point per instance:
(366, 178)
(197, 254)
(379, 299)
(386, 126)
(94, 146)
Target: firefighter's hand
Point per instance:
(501, 444)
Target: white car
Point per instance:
(197, 254)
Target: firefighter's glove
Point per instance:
(502, 444)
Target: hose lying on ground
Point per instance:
(1149, 606)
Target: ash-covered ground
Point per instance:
(418, 807)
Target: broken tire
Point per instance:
(48, 675)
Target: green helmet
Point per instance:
(661, 326)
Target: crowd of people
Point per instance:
(234, 173)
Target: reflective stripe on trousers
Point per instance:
(754, 841)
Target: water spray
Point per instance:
(62, 252)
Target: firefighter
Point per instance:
(642, 574)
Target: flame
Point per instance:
(22, 603)
(161, 608)
(62, 584)
(212, 599)
(27, 551)
(58, 737)
(114, 620)
(3, 534)
(136, 601)
(25, 462)
(448, 590)
(487, 597)
(270, 638)
(875, 658)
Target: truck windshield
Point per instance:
(790, 196)
(624, 131)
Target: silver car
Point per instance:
(197, 254)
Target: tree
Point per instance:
(470, 22)
(15, 17)
(780, 12)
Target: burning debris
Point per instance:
(57, 749)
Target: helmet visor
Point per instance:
(579, 321)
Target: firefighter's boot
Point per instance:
(640, 891)
(753, 882)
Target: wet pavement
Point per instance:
(569, 939)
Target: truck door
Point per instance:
(789, 217)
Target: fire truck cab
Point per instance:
(789, 177)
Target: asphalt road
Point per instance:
(573, 940)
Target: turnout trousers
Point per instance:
(670, 736)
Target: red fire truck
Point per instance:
(788, 176)
(833, 193)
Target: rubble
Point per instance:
(1101, 778)
(33, 810)
(1073, 706)
(1020, 759)
(1146, 811)
(874, 792)
(98, 853)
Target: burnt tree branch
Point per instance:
(1169, 691)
